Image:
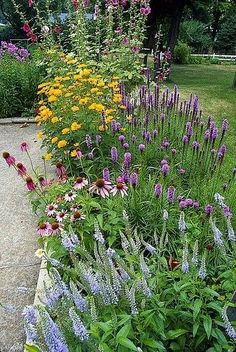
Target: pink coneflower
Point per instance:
(24, 147)
(44, 229)
(30, 184)
(101, 187)
(51, 209)
(80, 183)
(21, 169)
(135, 49)
(118, 30)
(77, 216)
(69, 196)
(60, 170)
(74, 207)
(121, 188)
(125, 41)
(10, 160)
(55, 228)
(61, 215)
(43, 182)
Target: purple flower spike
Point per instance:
(173, 151)
(133, 179)
(114, 155)
(133, 138)
(182, 171)
(165, 169)
(121, 139)
(185, 139)
(141, 148)
(209, 209)
(158, 190)
(195, 145)
(171, 194)
(225, 125)
(106, 174)
(126, 146)
(182, 204)
(127, 159)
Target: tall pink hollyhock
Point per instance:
(75, 4)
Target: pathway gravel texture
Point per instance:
(19, 267)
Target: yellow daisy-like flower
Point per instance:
(75, 108)
(62, 143)
(75, 126)
(76, 144)
(117, 98)
(108, 119)
(68, 94)
(101, 84)
(102, 128)
(39, 135)
(123, 129)
(54, 140)
(94, 90)
(65, 130)
(52, 99)
(41, 102)
(37, 118)
(122, 107)
(73, 153)
(47, 156)
(55, 119)
(83, 101)
(39, 253)
(109, 111)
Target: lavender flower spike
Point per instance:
(202, 270)
(217, 233)
(78, 327)
(228, 327)
(78, 299)
(185, 264)
(52, 335)
(165, 215)
(231, 232)
(182, 224)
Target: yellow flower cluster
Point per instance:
(73, 101)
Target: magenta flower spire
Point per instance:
(133, 179)
(158, 190)
(106, 174)
(165, 169)
(209, 209)
(171, 194)
(127, 159)
(10, 160)
(114, 155)
(141, 148)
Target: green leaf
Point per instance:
(31, 348)
(215, 306)
(154, 344)
(210, 292)
(207, 323)
(104, 326)
(124, 341)
(124, 319)
(196, 308)
(100, 220)
(173, 334)
(218, 334)
(195, 328)
(104, 347)
(124, 331)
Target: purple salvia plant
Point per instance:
(133, 179)
(78, 327)
(114, 155)
(51, 333)
(98, 234)
(185, 264)
(158, 190)
(106, 174)
(78, 299)
(127, 160)
(217, 234)
(228, 326)
(171, 194)
(131, 298)
(143, 266)
(231, 232)
(202, 273)
(182, 224)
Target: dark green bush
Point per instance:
(18, 85)
(6, 33)
(182, 53)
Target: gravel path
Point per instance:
(19, 266)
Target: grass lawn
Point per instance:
(213, 85)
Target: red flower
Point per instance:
(33, 37)
(57, 29)
(26, 27)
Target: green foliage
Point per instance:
(182, 53)
(195, 34)
(226, 38)
(18, 85)
(6, 33)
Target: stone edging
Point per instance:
(16, 120)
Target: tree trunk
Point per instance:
(175, 23)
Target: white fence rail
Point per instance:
(216, 56)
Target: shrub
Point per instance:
(19, 79)
(182, 53)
